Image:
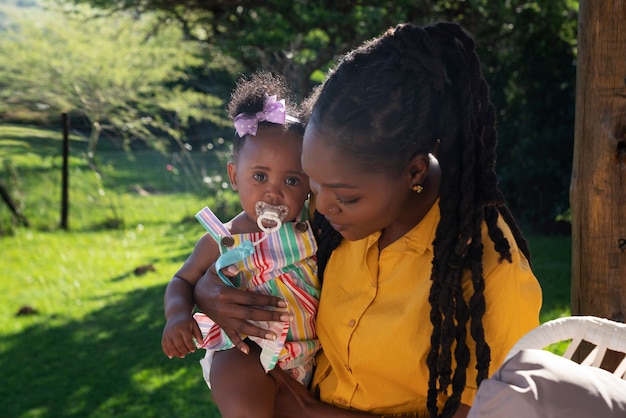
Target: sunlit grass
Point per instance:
(90, 346)
(93, 346)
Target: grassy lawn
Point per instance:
(92, 348)
(551, 261)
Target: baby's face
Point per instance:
(268, 169)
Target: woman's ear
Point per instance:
(418, 169)
(232, 174)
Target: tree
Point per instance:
(530, 64)
(115, 73)
(298, 39)
(598, 192)
(527, 48)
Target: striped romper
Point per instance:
(284, 265)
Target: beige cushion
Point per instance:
(537, 383)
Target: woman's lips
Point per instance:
(337, 227)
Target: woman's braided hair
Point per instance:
(419, 90)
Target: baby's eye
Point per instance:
(260, 177)
(292, 181)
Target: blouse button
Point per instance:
(342, 401)
(351, 323)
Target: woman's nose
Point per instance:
(324, 203)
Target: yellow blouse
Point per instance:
(373, 319)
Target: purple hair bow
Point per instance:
(273, 111)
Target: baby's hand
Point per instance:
(178, 336)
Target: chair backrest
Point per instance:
(604, 334)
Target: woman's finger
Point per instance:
(238, 341)
(216, 289)
(234, 318)
(232, 308)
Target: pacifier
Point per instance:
(270, 218)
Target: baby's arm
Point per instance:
(180, 328)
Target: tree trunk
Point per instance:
(598, 188)
(6, 196)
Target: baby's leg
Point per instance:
(240, 386)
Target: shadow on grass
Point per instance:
(44, 142)
(109, 364)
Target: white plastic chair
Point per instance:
(605, 334)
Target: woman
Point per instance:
(426, 275)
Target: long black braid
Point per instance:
(416, 90)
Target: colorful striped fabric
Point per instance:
(212, 224)
(281, 265)
(215, 339)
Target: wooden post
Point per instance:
(598, 188)
(65, 172)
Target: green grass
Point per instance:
(552, 264)
(551, 261)
(93, 347)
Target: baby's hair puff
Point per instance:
(250, 96)
(419, 90)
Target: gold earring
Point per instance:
(418, 188)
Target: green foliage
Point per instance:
(528, 49)
(161, 86)
(115, 73)
(530, 64)
(293, 38)
(129, 189)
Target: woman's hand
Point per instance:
(292, 399)
(233, 308)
